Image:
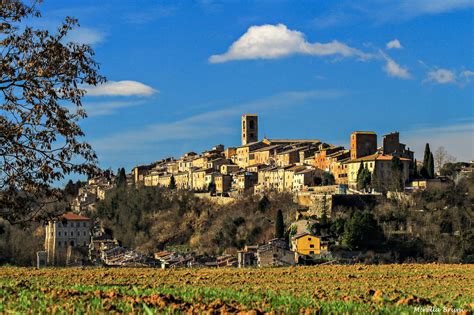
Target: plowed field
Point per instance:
(318, 289)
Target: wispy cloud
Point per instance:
(381, 12)
(86, 35)
(393, 69)
(121, 88)
(447, 76)
(148, 14)
(94, 109)
(203, 125)
(394, 44)
(441, 76)
(277, 41)
(455, 138)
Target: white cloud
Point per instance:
(85, 35)
(394, 44)
(467, 74)
(277, 41)
(452, 137)
(120, 88)
(441, 76)
(393, 69)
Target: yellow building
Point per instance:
(182, 180)
(307, 244)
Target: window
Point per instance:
(84, 224)
(59, 244)
(311, 252)
(309, 238)
(252, 124)
(84, 233)
(72, 233)
(59, 233)
(311, 246)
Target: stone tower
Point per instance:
(249, 128)
(363, 143)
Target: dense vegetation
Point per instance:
(150, 218)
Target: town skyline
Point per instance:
(178, 84)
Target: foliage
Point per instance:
(361, 231)
(152, 218)
(263, 204)
(121, 179)
(364, 178)
(41, 140)
(427, 171)
(279, 225)
(172, 185)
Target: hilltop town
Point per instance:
(284, 165)
(324, 182)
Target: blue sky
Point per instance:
(181, 73)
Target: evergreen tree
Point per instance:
(172, 185)
(415, 170)
(121, 179)
(430, 168)
(426, 158)
(364, 177)
(361, 231)
(263, 204)
(361, 168)
(279, 225)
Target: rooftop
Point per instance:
(376, 157)
(74, 217)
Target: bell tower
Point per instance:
(249, 128)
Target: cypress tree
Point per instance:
(172, 185)
(279, 225)
(426, 156)
(121, 179)
(415, 170)
(430, 167)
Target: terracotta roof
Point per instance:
(376, 156)
(74, 217)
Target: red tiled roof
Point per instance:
(74, 217)
(376, 156)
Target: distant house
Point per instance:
(307, 244)
(66, 235)
(247, 257)
(275, 254)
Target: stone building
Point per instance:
(363, 143)
(379, 165)
(65, 237)
(223, 183)
(249, 128)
